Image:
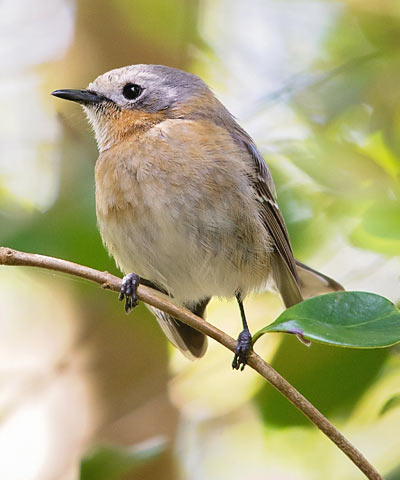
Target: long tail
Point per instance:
(314, 283)
(189, 341)
(309, 283)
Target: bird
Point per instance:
(185, 202)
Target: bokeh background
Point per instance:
(86, 390)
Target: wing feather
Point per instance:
(284, 264)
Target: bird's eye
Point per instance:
(132, 91)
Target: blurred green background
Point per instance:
(316, 83)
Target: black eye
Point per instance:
(131, 91)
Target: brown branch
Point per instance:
(147, 295)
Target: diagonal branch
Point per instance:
(150, 296)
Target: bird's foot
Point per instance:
(243, 347)
(128, 291)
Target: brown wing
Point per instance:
(283, 264)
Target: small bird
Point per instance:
(185, 202)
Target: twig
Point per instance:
(150, 296)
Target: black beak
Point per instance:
(80, 96)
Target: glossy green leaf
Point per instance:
(108, 462)
(346, 319)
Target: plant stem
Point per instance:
(150, 296)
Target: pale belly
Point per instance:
(190, 227)
(213, 255)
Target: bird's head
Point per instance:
(132, 99)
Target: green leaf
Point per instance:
(108, 462)
(393, 402)
(345, 319)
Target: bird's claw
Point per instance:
(128, 291)
(243, 347)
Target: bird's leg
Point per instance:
(129, 288)
(244, 340)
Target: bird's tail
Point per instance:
(314, 283)
(190, 342)
(308, 283)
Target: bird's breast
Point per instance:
(179, 223)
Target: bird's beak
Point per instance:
(81, 96)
